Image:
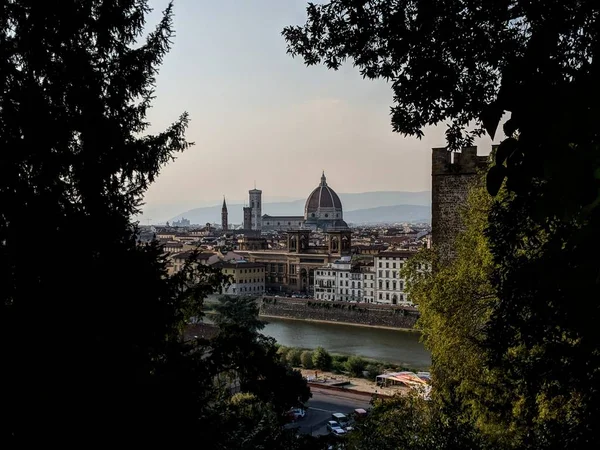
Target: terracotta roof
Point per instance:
(242, 265)
(405, 254)
(199, 257)
(322, 197)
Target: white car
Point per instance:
(299, 413)
(334, 428)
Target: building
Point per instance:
(255, 209)
(389, 287)
(247, 218)
(293, 269)
(204, 258)
(252, 243)
(246, 278)
(369, 283)
(224, 222)
(452, 175)
(323, 209)
(339, 282)
(183, 222)
(282, 223)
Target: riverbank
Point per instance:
(380, 327)
(348, 313)
(325, 379)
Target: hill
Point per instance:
(365, 207)
(389, 214)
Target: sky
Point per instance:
(259, 115)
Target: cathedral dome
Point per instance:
(324, 207)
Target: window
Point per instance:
(393, 274)
(379, 264)
(380, 273)
(402, 285)
(387, 285)
(387, 265)
(387, 296)
(393, 265)
(394, 285)
(380, 297)
(387, 273)
(380, 284)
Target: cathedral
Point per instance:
(322, 211)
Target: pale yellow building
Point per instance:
(247, 278)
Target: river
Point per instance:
(400, 347)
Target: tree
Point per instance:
(321, 359)
(89, 319)
(91, 324)
(245, 355)
(356, 365)
(238, 312)
(469, 62)
(410, 422)
(306, 359)
(456, 301)
(294, 357)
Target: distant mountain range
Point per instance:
(365, 207)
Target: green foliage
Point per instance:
(282, 352)
(321, 359)
(337, 367)
(529, 326)
(238, 312)
(76, 82)
(339, 358)
(372, 371)
(306, 358)
(294, 357)
(410, 422)
(356, 365)
(253, 359)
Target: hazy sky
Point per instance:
(258, 114)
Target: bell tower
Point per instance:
(224, 223)
(339, 242)
(297, 241)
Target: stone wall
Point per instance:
(346, 312)
(452, 177)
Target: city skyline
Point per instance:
(259, 115)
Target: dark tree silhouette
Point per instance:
(90, 322)
(469, 62)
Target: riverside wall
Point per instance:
(342, 312)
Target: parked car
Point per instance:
(335, 429)
(296, 414)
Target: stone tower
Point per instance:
(452, 176)
(247, 218)
(255, 206)
(224, 214)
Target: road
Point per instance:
(324, 403)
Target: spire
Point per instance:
(224, 204)
(323, 179)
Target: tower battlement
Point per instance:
(452, 176)
(465, 162)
